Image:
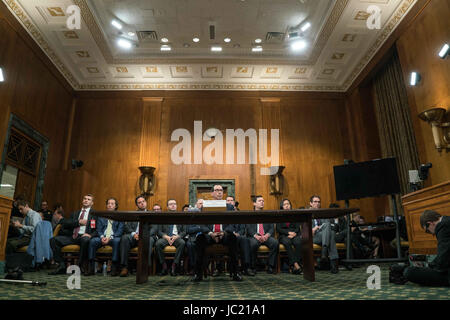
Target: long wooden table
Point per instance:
(303, 216)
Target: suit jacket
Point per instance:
(130, 227)
(68, 225)
(117, 228)
(251, 229)
(283, 229)
(193, 230)
(165, 228)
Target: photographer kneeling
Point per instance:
(438, 271)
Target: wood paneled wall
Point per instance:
(35, 93)
(115, 133)
(418, 47)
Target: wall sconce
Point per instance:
(444, 51)
(277, 182)
(2, 78)
(441, 130)
(147, 181)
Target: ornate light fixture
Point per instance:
(441, 130)
(147, 181)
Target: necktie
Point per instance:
(77, 229)
(109, 229)
(287, 224)
(170, 230)
(260, 229)
(217, 228)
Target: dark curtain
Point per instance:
(394, 120)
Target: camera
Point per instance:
(423, 171)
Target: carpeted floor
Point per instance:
(346, 285)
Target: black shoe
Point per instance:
(217, 273)
(163, 272)
(60, 270)
(173, 270)
(249, 272)
(270, 270)
(334, 268)
(348, 266)
(237, 277)
(323, 263)
(197, 278)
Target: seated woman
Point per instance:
(289, 235)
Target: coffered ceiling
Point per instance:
(337, 45)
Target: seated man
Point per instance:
(218, 233)
(58, 215)
(262, 234)
(45, 212)
(438, 272)
(78, 229)
(324, 236)
(25, 229)
(110, 233)
(170, 235)
(130, 237)
(243, 242)
(192, 231)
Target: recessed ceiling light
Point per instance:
(257, 49)
(258, 40)
(196, 39)
(1, 75)
(165, 47)
(116, 24)
(165, 40)
(298, 45)
(124, 43)
(216, 49)
(227, 40)
(131, 34)
(444, 51)
(306, 26)
(186, 45)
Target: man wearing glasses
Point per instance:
(438, 271)
(217, 233)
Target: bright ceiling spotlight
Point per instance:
(298, 45)
(305, 27)
(165, 47)
(257, 49)
(258, 40)
(196, 39)
(216, 49)
(414, 78)
(2, 78)
(227, 40)
(116, 24)
(444, 51)
(165, 40)
(124, 43)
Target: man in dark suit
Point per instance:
(110, 233)
(78, 229)
(130, 237)
(262, 234)
(217, 233)
(325, 236)
(243, 242)
(170, 235)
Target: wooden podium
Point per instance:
(5, 215)
(432, 198)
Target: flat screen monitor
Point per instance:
(366, 179)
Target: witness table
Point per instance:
(146, 218)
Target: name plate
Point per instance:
(214, 205)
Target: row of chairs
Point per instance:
(215, 252)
